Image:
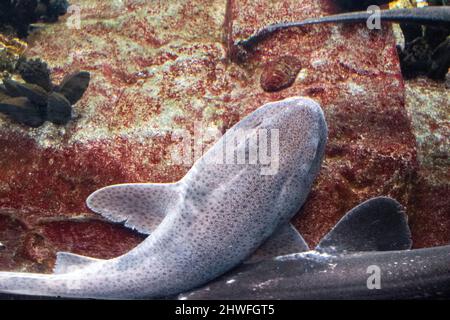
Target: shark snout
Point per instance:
(279, 134)
(302, 135)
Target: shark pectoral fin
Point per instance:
(140, 206)
(379, 224)
(285, 240)
(68, 262)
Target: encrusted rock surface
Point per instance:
(165, 67)
(428, 105)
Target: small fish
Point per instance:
(217, 216)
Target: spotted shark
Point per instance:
(229, 208)
(367, 255)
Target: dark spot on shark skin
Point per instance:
(280, 74)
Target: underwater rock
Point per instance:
(434, 36)
(52, 106)
(19, 14)
(428, 104)
(74, 85)
(36, 71)
(415, 58)
(22, 111)
(280, 74)
(59, 109)
(440, 61)
(426, 50)
(51, 10)
(11, 88)
(161, 71)
(3, 94)
(34, 93)
(411, 31)
(36, 245)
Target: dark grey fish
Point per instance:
(366, 256)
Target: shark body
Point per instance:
(366, 256)
(217, 216)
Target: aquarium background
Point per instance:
(159, 66)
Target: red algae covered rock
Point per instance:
(166, 67)
(428, 105)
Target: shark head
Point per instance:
(279, 138)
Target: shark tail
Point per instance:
(34, 284)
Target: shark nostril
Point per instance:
(258, 123)
(2, 246)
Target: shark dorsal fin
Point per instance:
(68, 262)
(285, 240)
(379, 224)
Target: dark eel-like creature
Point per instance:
(430, 16)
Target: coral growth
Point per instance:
(36, 71)
(11, 50)
(38, 100)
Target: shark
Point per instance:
(367, 255)
(232, 206)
